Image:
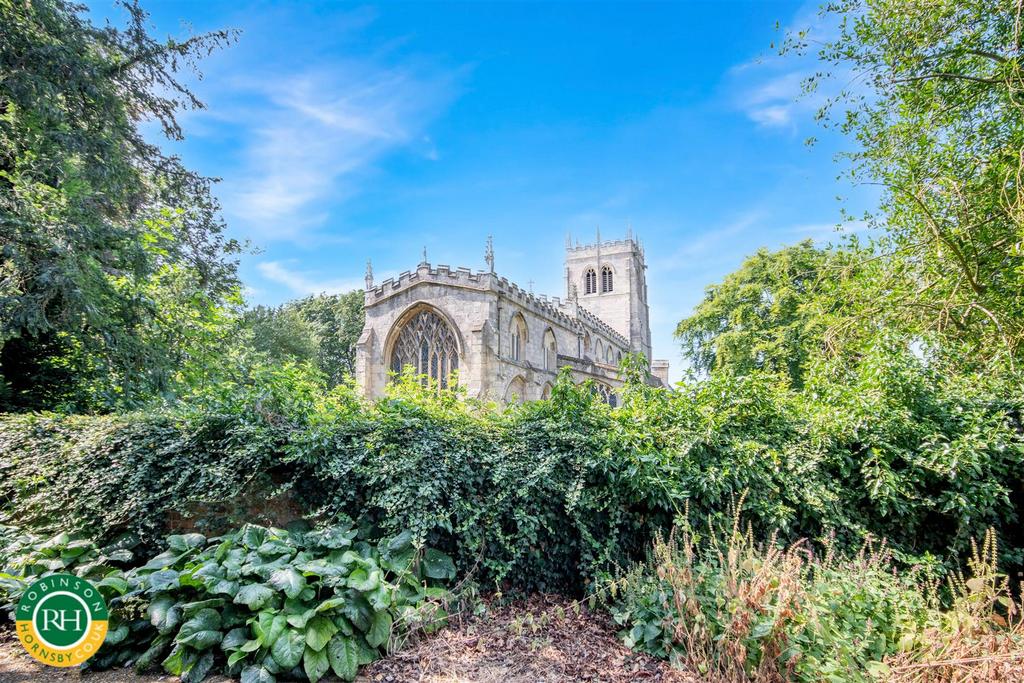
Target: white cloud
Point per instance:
(307, 136)
(303, 283)
(769, 89)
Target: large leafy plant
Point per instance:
(261, 602)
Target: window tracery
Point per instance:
(428, 344)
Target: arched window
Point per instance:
(590, 282)
(605, 393)
(428, 344)
(608, 355)
(516, 391)
(518, 337)
(606, 279)
(545, 393)
(598, 350)
(550, 350)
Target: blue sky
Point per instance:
(346, 132)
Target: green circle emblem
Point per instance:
(61, 620)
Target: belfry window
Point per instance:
(606, 279)
(427, 343)
(590, 282)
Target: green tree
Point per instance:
(938, 119)
(95, 221)
(337, 321)
(772, 314)
(280, 333)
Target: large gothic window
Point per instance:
(606, 279)
(428, 344)
(590, 282)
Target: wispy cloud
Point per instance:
(709, 241)
(303, 283)
(769, 89)
(307, 136)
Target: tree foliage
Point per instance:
(772, 314)
(113, 263)
(938, 119)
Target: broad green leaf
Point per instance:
(189, 609)
(254, 596)
(380, 629)
(116, 636)
(330, 604)
(289, 581)
(183, 542)
(201, 631)
(164, 613)
(343, 654)
(319, 631)
(362, 580)
(257, 674)
(437, 565)
(235, 638)
(163, 580)
(287, 650)
(199, 669)
(315, 663)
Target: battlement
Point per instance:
(605, 329)
(627, 244)
(566, 312)
(442, 274)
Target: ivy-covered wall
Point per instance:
(541, 496)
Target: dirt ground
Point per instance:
(544, 640)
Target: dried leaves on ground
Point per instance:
(543, 640)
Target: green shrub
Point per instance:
(260, 602)
(736, 610)
(539, 497)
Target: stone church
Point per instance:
(506, 343)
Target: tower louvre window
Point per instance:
(590, 282)
(606, 279)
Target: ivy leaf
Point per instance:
(254, 596)
(287, 650)
(288, 580)
(316, 664)
(380, 629)
(437, 565)
(319, 631)
(343, 655)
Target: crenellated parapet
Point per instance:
(607, 330)
(566, 313)
(626, 244)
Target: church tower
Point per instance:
(609, 279)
